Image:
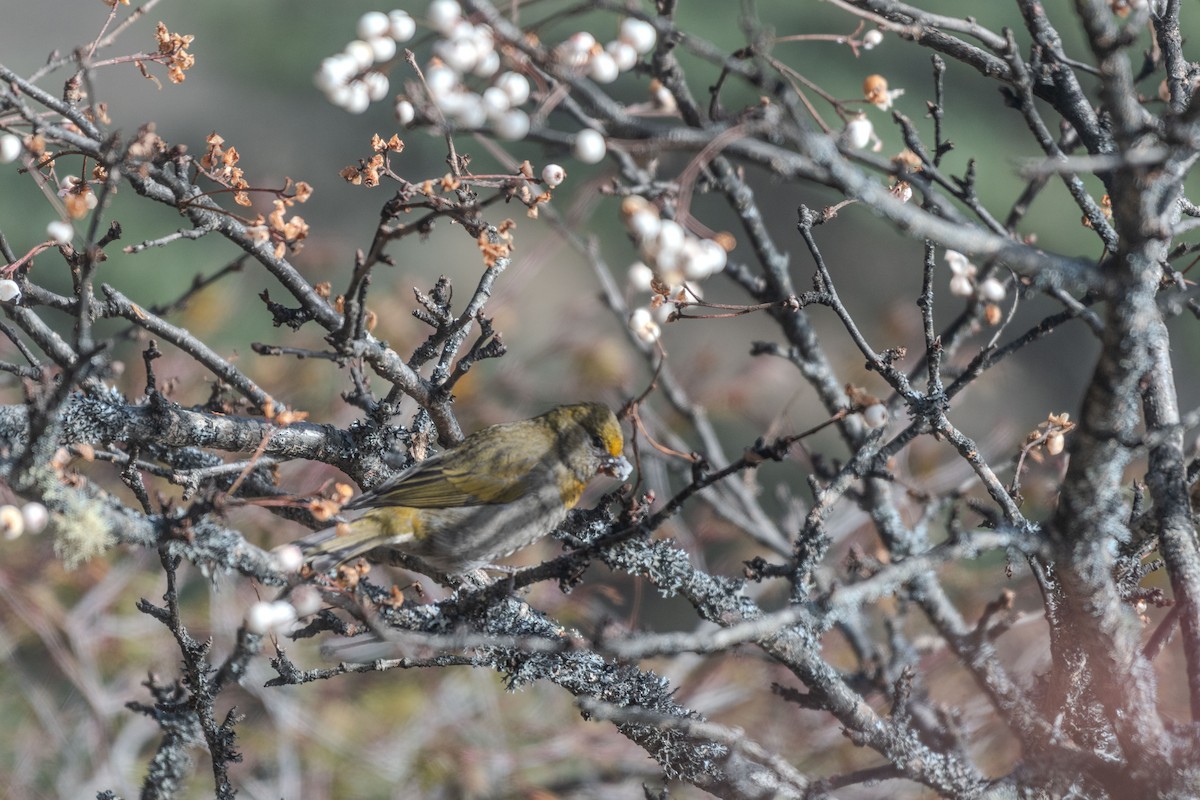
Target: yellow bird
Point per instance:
(502, 488)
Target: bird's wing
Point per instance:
(464, 476)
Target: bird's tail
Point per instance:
(328, 548)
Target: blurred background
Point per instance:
(74, 648)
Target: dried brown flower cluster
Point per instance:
(173, 48)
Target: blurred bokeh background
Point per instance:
(73, 648)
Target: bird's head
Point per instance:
(592, 438)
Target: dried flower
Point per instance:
(174, 46)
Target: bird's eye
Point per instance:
(597, 442)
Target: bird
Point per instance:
(500, 489)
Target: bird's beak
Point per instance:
(616, 466)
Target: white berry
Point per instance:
(623, 54)
(488, 64)
(405, 113)
(36, 517)
(640, 277)
(496, 101)
(858, 132)
(377, 86)
(441, 81)
(401, 26)
(9, 290)
(383, 48)
(10, 148)
(372, 24)
(265, 617)
(644, 224)
(444, 15)
(361, 53)
(875, 416)
(991, 290)
(306, 600)
(643, 326)
(603, 68)
(60, 231)
(287, 558)
(512, 125)
(638, 33)
(589, 146)
(471, 113)
(961, 286)
(515, 85)
(359, 97)
(553, 175)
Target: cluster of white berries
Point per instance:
(604, 63)
(270, 617)
(464, 51)
(29, 518)
(348, 79)
(498, 105)
(10, 151)
(277, 616)
(672, 260)
(469, 50)
(963, 280)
